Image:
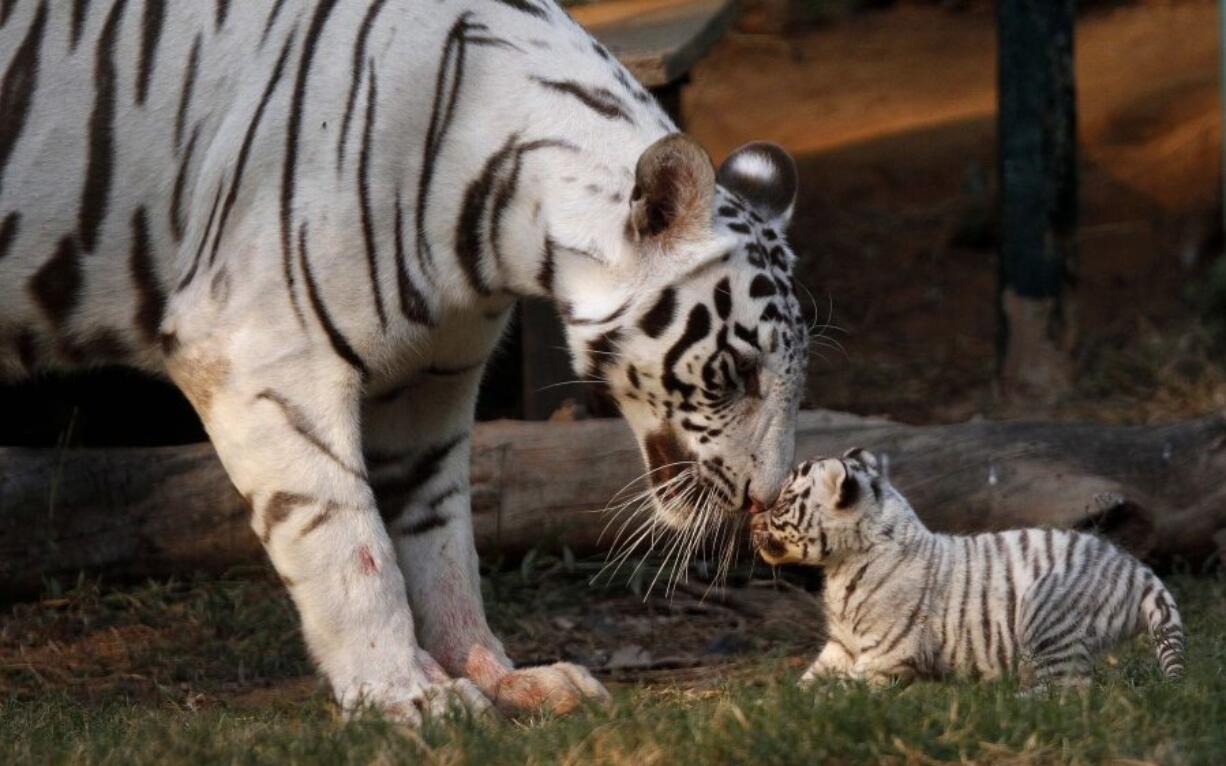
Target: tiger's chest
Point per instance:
(456, 348)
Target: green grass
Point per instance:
(761, 718)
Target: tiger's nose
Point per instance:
(763, 497)
(756, 503)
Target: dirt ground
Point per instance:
(234, 640)
(891, 115)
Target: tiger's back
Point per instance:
(152, 152)
(114, 127)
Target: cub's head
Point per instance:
(706, 352)
(830, 507)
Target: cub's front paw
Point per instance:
(809, 679)
(411, 699)
(818, 673)
(557, 688)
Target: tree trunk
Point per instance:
(156, 511)
(1038, 190)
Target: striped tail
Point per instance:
(1165, 628)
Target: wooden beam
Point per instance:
(659, 41)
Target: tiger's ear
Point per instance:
(674, 184)
(764, 174)
(864, 458)
(840, 484)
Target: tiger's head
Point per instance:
(831, 508)
(705, 351)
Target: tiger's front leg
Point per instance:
(418, 443)
(284, 422)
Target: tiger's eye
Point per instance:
(749, 372)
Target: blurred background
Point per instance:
(891, 110)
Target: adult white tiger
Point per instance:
(314, 216)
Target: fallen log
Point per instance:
(1159, 490)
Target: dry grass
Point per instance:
(212, 671)
(1148, 376)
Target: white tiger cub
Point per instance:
(904, 602)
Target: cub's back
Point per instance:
(1025, 555)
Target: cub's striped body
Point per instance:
(314, 217)
(901, 601)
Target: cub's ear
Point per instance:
(674, 184)
(765, 175)
(864, 458)
(840, 484)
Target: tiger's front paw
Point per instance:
(558, 688)
(410, 701)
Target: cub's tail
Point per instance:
(1165, 628)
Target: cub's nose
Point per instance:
(756, 506)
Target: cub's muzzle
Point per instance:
(760, 537)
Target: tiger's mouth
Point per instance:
(695, 512)
(667, 457)
(672, 476)
(685, 484)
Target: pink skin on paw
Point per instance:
(532, 689)
(484, 669)
(366, 562)
(460, 637)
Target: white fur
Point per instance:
(756, 166)
(903, 602)
(390, 619)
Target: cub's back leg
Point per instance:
(1054, 646)
(283, 415)
(418, 443)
